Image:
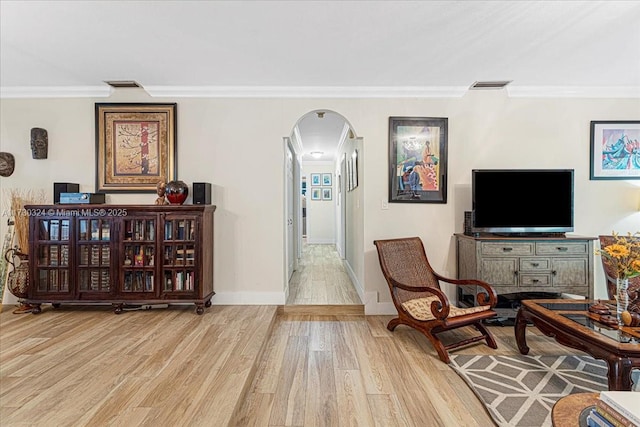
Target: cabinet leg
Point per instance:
(36, 309)
(55, 305)
(207, 303)
(199, 308)
(117, 308)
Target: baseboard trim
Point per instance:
(248, 298)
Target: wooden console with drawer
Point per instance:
(525, 264)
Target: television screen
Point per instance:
(519, 201)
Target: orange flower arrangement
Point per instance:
(623, 254)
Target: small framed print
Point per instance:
(316, 194)
(315, 179)
(326, 194)
(326, 180)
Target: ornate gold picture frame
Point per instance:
(135, 146)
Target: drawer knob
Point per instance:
(535, 264)
(507, 249)
(562, 249)
(535, 280)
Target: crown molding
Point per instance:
(305, 91)
(320, 91)
(56, 92)
(573, 91)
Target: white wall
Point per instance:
(321, 219)
(236, 144)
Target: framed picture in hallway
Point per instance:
(316, 194)
(615, 150)
(315, 179)
(135, 146)
(418, 159)
(326, 180)
(326, 194)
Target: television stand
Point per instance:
(531, 234)
(521, 264)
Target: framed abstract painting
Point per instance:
(615, 150)
(418, 159)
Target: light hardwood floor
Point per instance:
(234, 365)
(321, 279)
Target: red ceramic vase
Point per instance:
(176, 192)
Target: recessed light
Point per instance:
(316, 154)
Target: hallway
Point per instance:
(321, 279)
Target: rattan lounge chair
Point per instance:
(421, 304)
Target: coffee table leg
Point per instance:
(520, 328)
(619, 375)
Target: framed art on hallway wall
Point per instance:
(135, 146)
(418, 159)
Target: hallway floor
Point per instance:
(321, 279)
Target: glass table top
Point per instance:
(610, 331)
(580, 316)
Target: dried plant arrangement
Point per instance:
(19, 198)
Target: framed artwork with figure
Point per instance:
(135, 146)
(315, 179)
(615, 150)
(418, 159)
(316, 193)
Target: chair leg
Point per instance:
(440, 348)
(393, 323)
(491, 341)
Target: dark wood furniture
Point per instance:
(572, 410)
(524, 265)
(570, 323)
(120, 254)
(421, 304)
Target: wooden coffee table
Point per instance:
(571, 324)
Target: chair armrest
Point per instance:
(481, 297)
(440, 309)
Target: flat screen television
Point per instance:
(522, 201)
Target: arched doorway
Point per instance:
(322, 274)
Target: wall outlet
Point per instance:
(384, 204)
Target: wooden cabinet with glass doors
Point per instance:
(126, 255)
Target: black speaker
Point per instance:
(64, 187)
(467, 223)
(201, 193)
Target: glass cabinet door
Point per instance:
(53, 265)
(94, 255)
(178, 265)
(138, 257)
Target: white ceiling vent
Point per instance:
(122, 83)
(498, 84)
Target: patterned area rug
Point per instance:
(521, 390)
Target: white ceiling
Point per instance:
(320, 48)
